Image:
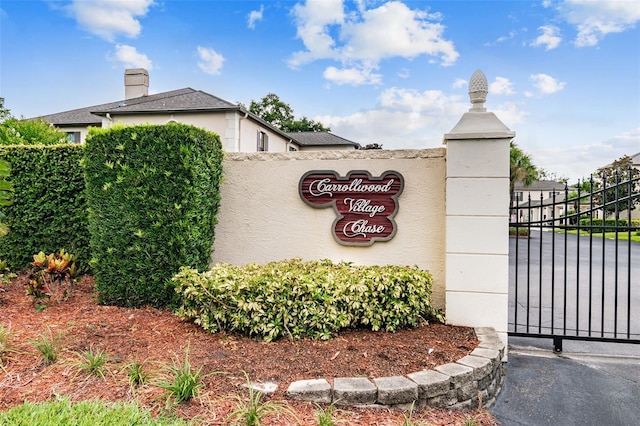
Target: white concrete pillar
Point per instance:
(477, 216)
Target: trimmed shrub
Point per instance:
(49, 210)
(304, 299)
(153, 198)
(599, 226)
(519, 231)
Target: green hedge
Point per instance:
(153, 198)
(49, 209)
(304, 299)
(598, 226)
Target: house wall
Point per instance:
(249, 139)
(237, 134)
(263, 218)
(82, 129)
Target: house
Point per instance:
(239, 129)
(538, 190)
(535, 200)
(544, 200)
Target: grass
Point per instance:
(250, 412)
(49, 346)
(185, 382)
(6, 346)
(407, 418)
(84, 413)
(137, 374)
(325, 417)
(93, 361)
(622, 236)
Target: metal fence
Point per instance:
(574, 269)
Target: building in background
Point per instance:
(239, 129)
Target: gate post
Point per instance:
(477, 216)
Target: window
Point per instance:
(263, 142)
(518, 196)
(73, 137)
(292, 148)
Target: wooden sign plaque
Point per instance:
(365, 206)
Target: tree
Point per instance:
(617, 186)
(373, 146)
(4, 112)
(520, 169)
(272, 110)
(304, 125)
(544, 174)
(29, 132)
(279, 114)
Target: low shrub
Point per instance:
(301, 299)
(5, 273)
(599, 226)
(52, 277)
(519, 231)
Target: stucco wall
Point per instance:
(262, 217)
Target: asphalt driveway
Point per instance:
(587, 384)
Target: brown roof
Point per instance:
(321, 139)
(186, 99)
(181, 100)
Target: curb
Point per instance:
(472, 381)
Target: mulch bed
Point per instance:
(160, 340)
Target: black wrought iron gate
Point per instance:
(574, 269)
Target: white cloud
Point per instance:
(578, 161)
(502, 39)
(404, 73)
(352, 76)
(404, 119)
(596, 19)
(131, 58)
(550, 37)
(510, 114)
(356, 41)
(546, 84)
(428, 101)
(109, 18)
(460, 82)
(313, 21)
(407, 33)
(210, 60)
(255, 16)
(501, 86)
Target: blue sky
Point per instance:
(564, 75)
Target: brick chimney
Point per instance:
(136, 83)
